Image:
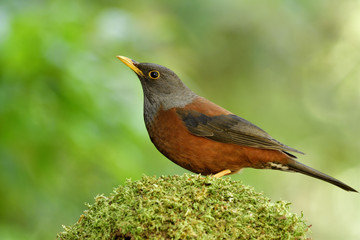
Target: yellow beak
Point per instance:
(128, 62)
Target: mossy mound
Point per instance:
(186, 207)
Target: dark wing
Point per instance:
(230, 129)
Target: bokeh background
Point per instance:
(71, 124)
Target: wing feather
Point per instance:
(230, 129)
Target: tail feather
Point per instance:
(301, 168)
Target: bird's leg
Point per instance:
(222, 173)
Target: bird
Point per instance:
(204, 138)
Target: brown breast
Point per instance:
(201, 155)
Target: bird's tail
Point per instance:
(301, 168)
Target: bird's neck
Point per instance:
(150, 110)
(153, 104)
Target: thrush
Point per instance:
(205, 138)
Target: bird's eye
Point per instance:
(154, 74)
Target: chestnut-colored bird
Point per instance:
(205, 138)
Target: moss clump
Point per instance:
(186, 207)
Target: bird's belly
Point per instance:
(199, 154)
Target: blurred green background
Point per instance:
(71, 124)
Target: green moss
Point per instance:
(186, 207)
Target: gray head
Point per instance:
(161, 86)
